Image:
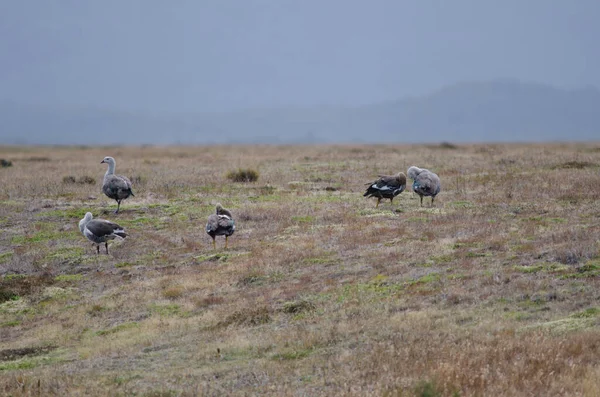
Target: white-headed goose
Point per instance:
(116, 187)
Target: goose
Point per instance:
(425, 182)
(100, 231)
(116, 187)
(387, 186)
(220, 223)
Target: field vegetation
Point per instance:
(494, 291)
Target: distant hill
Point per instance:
(467, 112)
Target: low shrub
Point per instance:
(243, 175)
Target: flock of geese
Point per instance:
(221, 223)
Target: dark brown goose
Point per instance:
(386, 187)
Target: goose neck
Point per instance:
(111, 168)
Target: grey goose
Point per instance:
(220, 223)
(116, 187)
(425, 183)
(100, 231)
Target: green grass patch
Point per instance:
(375, 212)
(166, 310)
(375, 290)
(13, 277)
(590, 270)
(544, 267)
(6, 256)
(17, 365)
(459, 245)
(69, 278)
(326, 259)
(587, 313)
(28, 358)
(57, 293)
(72, 255)
(10, 324)
(303, 219)
(72, 213)
(557, 220)
(575, 322)
(528, 269)
(117, 328)
(426, 279)
(462, 204)
(34, 238)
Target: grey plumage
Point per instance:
(425, 182)
(220, 223)
(116, 187)
(100, 231)
(387, 186)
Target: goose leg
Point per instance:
(214, 244)
(226, 242)
(378, 200)
(106, 245)
(432, 198)
(421, 201)
(118, 206)
(98, 249)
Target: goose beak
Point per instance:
(102, 162)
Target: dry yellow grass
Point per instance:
(494, 291)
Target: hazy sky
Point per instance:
(201, 55)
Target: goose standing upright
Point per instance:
(220, 223)
(425, 182)
(387, 186)
(100, 231)
(116, 187)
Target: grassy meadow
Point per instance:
(493, 291)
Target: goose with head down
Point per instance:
(425, 183)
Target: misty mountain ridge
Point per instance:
(498, 111)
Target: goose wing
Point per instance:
(386, 185)
(391, 182)
(104, 228)
(126, 180)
